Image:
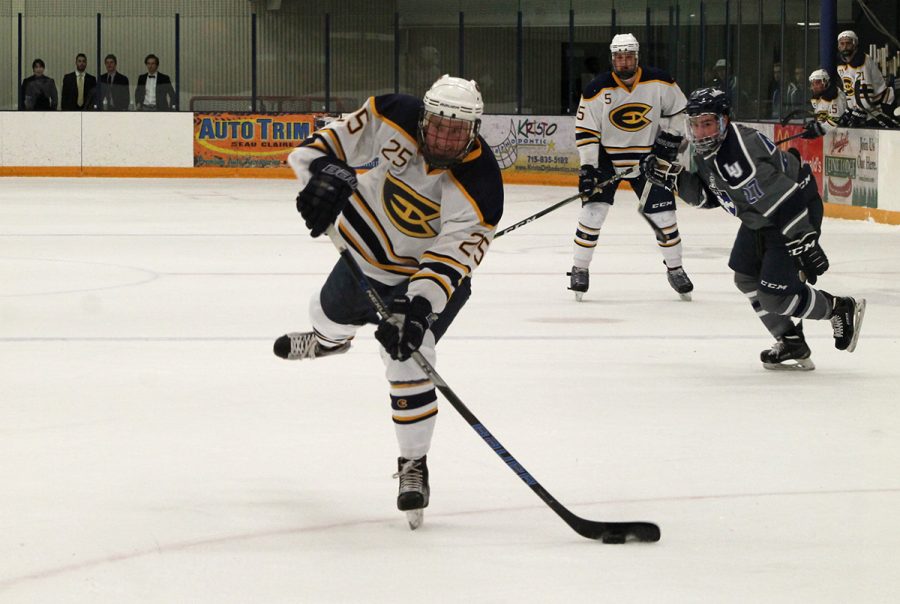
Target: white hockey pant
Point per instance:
(413, 398)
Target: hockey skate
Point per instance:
(789, 353)
(579, 281)
(304, 345)
(680, 282)
(846, 320)
(414, 490)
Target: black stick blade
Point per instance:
(618, 532)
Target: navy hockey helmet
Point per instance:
(450, 120)
(703, 104)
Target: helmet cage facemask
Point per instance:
(624, 75)
(448, 156)
(706, 144)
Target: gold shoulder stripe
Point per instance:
(336, 144)
(371, 103)
(588, 130)
(474, 205)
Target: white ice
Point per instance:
(153, 449)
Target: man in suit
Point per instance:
(78, 87)
(113, 93)
(154, 90)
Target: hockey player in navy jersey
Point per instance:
(776, 257)
(418, 223)
(624, 115)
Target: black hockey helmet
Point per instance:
(708, 100)
(702, 103)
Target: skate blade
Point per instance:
(793, 365)
(415, 518)
(686, 297)
(579, 296)
(857, 322)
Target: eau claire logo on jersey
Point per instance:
(409, 211)
(630, 117)
(848, 85)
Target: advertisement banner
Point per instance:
(850, 167)
(810, 150)
(532, 143)
(240, 140)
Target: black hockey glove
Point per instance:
(808, 255)
(326, 193)
(813, 129)
(402, 334)
(590, 176)
(667, 145)
(661, 172)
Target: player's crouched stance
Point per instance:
(776, 256)
(418, 224)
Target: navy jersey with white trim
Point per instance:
(407, 220)
(622, 122)
(751, 178)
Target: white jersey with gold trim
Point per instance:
(863, 69)
(829, 107)
(406, 220)
(623, 122)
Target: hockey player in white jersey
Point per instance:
(776, 257)
(418, 223)
(829, 104)
(624, 115)
(869, 98)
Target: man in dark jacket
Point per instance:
(38, 92)
(78, 87)
(154, 90)
(113, 93)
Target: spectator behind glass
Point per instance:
(78, 87)
(112, 89)
(774, 91)
(38, 92)
(154, 90)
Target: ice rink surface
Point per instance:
(152, 448)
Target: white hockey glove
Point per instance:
(661, 172)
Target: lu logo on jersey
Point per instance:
(630, 117)
(409, 211)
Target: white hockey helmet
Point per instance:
(821, 75)
(847, 53)
(624, 43)
(848, 33)
(450, 120)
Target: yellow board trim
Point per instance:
(832, 210)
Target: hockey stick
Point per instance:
(801, 112)
(790, 138)
(608, 532)
(642, 201)
(883, 119)
(629, 172)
